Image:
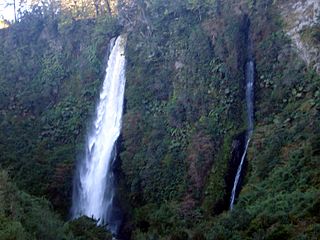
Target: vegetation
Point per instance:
(184, 110)
(26, 217)
(51, 71)
(178, 134)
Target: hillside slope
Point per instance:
(184, 121)
(186, 61)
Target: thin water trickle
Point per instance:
(249, 75)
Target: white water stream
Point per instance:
(94, 187)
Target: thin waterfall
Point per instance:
(249, 76)
(93, 193)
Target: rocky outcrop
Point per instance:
(299, 17)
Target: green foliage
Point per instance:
(184, 106)
(51, 70)
(175, 65)
(11, 230)
(311, 35)
(25, 217)
(85, 228)
(189, 101)
(215, 187)
(193, 98)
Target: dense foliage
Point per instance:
(186, 60)
(24, 217)
(184, 112)
(51, 71)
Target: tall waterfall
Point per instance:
(249, 76)
(93, 194)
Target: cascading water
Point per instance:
(249, 76)
(93, 193)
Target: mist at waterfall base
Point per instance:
(249, 76)
(94, 181)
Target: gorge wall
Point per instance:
(301, 24)
(184, 115)
(178, 134)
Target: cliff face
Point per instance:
(179, 134)
(49, 81)
(302, 24)
(184, 116)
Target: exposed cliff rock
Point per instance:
(302, 18)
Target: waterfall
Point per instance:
(249, 76)
(93, 193)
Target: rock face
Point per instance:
(300, 16)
